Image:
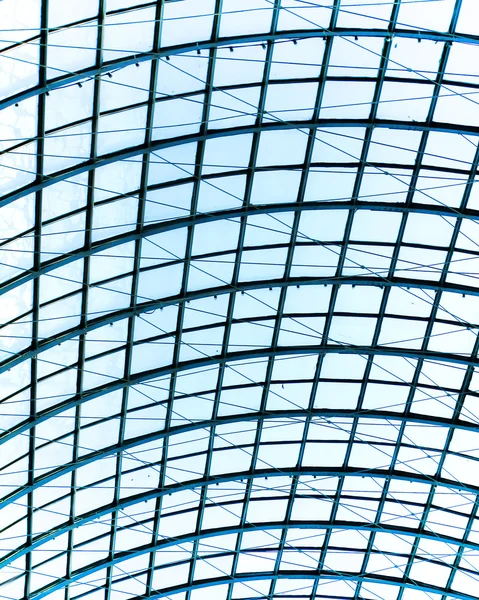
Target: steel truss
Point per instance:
(239, 345)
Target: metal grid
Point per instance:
(238, 288)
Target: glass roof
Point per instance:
(239, 299)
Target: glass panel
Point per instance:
(238, 290)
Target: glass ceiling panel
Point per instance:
(238, 294)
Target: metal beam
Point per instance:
(78, 365)
(163, 544)
(158, 146)
(237, 213)
(194, 484)
(235, 357)
(98, 71)
(252, 577)
(124, 503)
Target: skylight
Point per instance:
(239, 299)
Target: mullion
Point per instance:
(228, 322)
(42, 78)
(200, 511)
(187, 262)
(341, 262)
(143, 195)
(414, 179)
(440, 77)
(85, 288)
(283, 294)
(475, 508)
(465, 385)
(394, 259)
(365, 381)
(119, 476)
(242, 233)
(462, 394)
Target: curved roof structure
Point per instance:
(239, 299)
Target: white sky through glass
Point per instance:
(239, 299)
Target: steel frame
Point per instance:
(137, 310)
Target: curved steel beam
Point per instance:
(350, 164)
(269, 526)
(156, 228)
(253, 210)
(252, 577)
(309, 576)
(243, 476)
(313, 349)
(354, 79)
(237, 213)
(397, 581)
(233, 357)
(70, 78)
(129, 501)
(28, 353)
(159, 145)
(240, 287)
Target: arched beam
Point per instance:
(69, 78)
(252, 577)
(129, 501)
(251, 211)
(315, 413)
(243, 475)
(349, 164)
(234, 357)
(206, 218)
(309, 575)
(269, 526)
(158, 146)
(237, 213)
